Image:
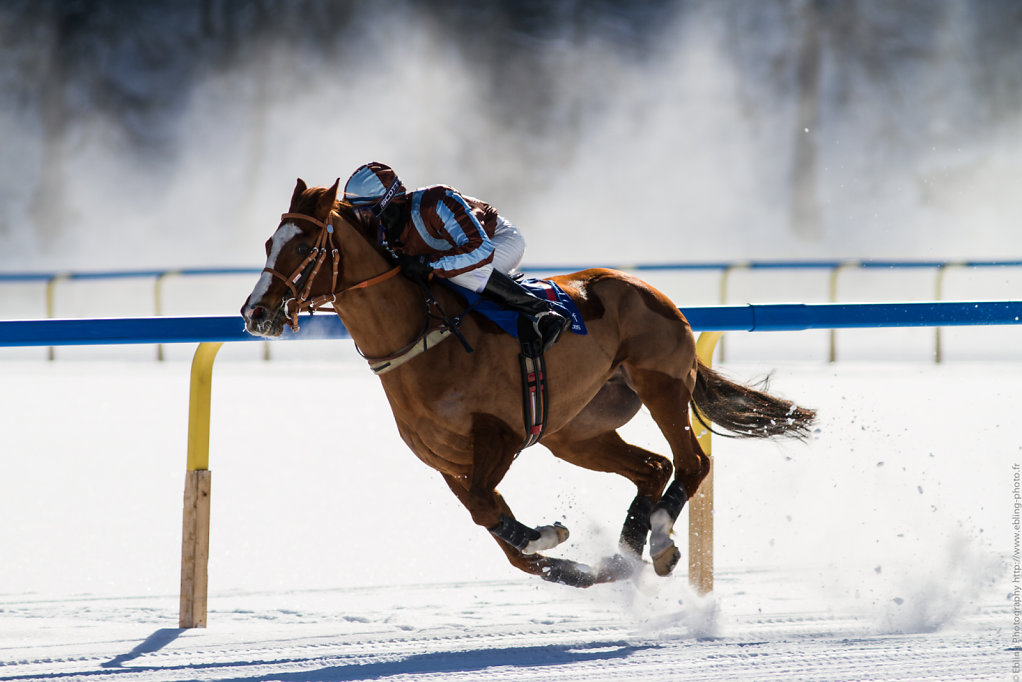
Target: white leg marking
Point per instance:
(549, 536)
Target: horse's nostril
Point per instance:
(257, 313)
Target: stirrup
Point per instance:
(536, 335)
(549, 326)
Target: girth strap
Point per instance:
(534, 398)
(413, 350)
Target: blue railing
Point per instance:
(726, 270)
(789, 265)
(752, 317)
(123, 274)
(835, 267)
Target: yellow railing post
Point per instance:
(725, 280)
(158, 303)
(700, 509)
(938, 340)
(51, 305)
(832, 334)
(195, 526)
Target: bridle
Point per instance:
(306, 272)
(300, 285)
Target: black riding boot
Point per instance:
(546, 323)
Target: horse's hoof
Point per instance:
(549, 536)
(666, 559)
(569, 573)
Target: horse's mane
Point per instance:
(310, 200)
(356, 219)
(369, 229)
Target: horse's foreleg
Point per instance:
(528, 540)
(519, 542)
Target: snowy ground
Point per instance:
(880, 550)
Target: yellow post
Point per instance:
(195, 526)
(700, 509)
(725, 278)
(832, 349)
(51, 304)
(199, 399)
(938, 341)
(158, 304)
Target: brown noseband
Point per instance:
(324, 244)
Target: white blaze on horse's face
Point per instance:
(284, 234)
(261, 316)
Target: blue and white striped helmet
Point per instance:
(373, 184)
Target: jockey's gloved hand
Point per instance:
(414, 267)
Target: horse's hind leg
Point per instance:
(607, 452)
(661, 546)
(590, 441)
(667, 398)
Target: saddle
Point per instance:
(532, 361)
(509, 320)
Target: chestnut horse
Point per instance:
(461, 413)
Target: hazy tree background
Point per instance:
(170, 133)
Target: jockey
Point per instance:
(436, 229)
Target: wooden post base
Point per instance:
(700, 537)
(700, 507)
(195, 549)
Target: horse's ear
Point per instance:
(326, 202)
(300, 188)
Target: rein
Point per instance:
(310, 267)
(314, 261)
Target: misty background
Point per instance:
(169, 134)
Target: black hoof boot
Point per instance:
(568, 573)
(636, 526)
(673, 499)
(514, 532)
(617, 567)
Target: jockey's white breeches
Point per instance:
(508, 250)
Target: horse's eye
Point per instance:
(303, 250)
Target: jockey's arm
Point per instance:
(470, 246)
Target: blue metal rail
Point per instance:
(753, 317)
(123, 274)
(788, 265)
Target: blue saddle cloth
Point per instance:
(508, 319)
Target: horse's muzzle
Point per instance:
(260, 321)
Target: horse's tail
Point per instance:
(747, 412)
